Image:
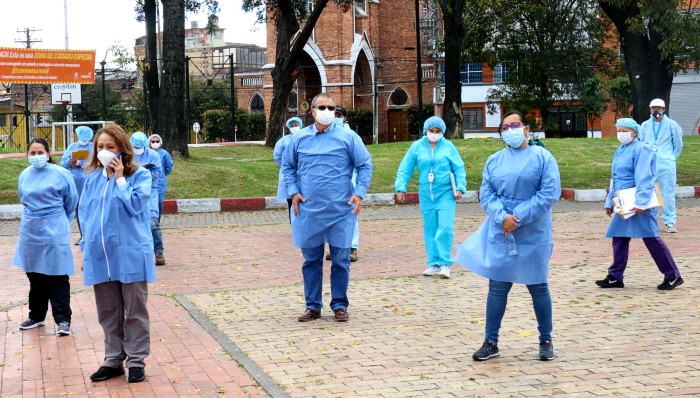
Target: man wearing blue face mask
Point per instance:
(150, 159)
(665, 137)
(83, 151)
(317, 166)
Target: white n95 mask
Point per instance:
(105, 157)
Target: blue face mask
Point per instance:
(338, 121)
(38, 161)
(514, 137)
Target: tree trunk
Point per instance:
(171, 118)
(150, 72)
(454, 22)
(287, 56)
(649, 73)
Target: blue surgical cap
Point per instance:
(627, 122)
(434, 121)
(139, 140)
(84, 133)
(294, 119)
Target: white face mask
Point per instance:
(155, 145)
(105, 157)
(434, 137)
(325, 118)
(625, 137)
(82, 142)
(139, 151)
(38, 161)
(294, 129)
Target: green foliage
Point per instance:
(218, 128)
(593, 97)
(619, 92)
(414, 125)
(361, 120)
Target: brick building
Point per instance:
(373, 42)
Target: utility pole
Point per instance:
(27, 112)
(419, 71)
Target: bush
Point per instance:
(412, 114)
(361, 120)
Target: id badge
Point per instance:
(431, 177)
(653, 147)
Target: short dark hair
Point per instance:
(509, 113)
(44, 143)
(322, 95)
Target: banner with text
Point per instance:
(42, 66)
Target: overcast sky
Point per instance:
(98, 24)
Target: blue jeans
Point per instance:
(157, 236)
(312, 270)
(498, 299)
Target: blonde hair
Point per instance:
(122, 140)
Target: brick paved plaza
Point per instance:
(223, 318)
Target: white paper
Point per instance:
(624, 201)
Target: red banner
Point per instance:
(41, 66)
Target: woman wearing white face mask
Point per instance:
(118, 251)
(49, 196)
(294, 125)
(634, 166)
(436, 160)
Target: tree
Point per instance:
(548, 50)
(285, 15)
(658, 39)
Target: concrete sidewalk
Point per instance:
(231, 292)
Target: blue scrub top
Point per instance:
(667, 135)
(633, 166)
(319, 166)
(117, 242)
(277, 153)
(77, 172)
(523, 182)
(167, 162)
(49, 197)
(150, 159)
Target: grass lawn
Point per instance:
(245, 171)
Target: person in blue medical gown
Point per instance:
(49, 196)
(520, 184)
(150, 159)
(293, 125)
(74, 164)
(665, 137)
(317, 166)
(439, 166)
(633, 166)
(118, 251)
(156, 143)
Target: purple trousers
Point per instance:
(658, 250)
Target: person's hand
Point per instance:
(357, 201)
(118, 167)
(608, 211)
(637, 211)
(509, 223)
(400, 196)
(295, 202)
(458, 195)
(73, 162)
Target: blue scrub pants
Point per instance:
(438, 234)
(667, 181)
(312, 270)
(498, 299)
(157, 236)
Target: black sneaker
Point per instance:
(136, 375)
(106, 373)
(668, 284)
(546, 350)
(609, 281)
(488, 350)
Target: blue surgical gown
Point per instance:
(277, 153)
(49, 197)
(525, 183)
(633, 166)
(324, 163)
(436, 198)
(151, 161)
(77, 172)
(117, 242)
(167, 162)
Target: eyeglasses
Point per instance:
(155, 142)
(324, 107)
(514, 125)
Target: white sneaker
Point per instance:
(671, 228)
(431, 270)
(444, 272)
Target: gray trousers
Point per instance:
(123, 314)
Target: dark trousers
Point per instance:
(658, 250)
(44, 288)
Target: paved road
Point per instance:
(223, 318)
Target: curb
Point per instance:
(213, 205)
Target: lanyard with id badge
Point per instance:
(656, 128)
